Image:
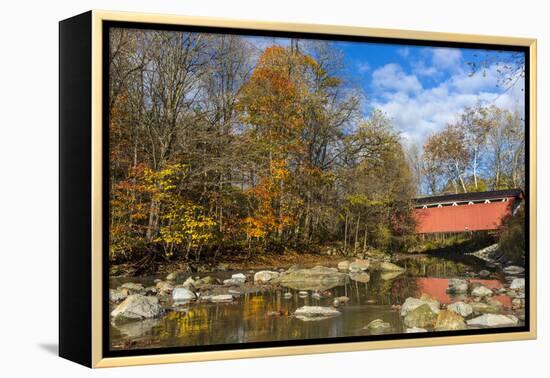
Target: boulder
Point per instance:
(485, 308)
(317, 279)
(117, 295)
(390, 267)
(449, 321)
(343, 265)
(457, 286)
(308, 313)
(422, 316)
(513, 269)
(518, 284)
(238, 276)
(182, 294)
(265, 276)
(164, 288)
(461, 308)
(136, 307)
(493, 320)
(482, 291)
(133, 288)
(360, 277)
(413, 303)
(189, 281)
(207, 280)
(378, 325)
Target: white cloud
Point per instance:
(403, 52)
(363, 67)
(420, 68)
(444, 58)
(391, 77)
(417, 114)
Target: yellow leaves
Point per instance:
(185, 224)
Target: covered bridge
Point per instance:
(463, 212)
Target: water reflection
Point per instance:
(267, 316)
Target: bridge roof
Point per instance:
(472, 196)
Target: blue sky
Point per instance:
(421, 88)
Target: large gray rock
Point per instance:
(413, 303)
(183, 294)
(518, 284)
(422, 317)
(117, 295)
(316, 279)
(493, 320)
(486, 308)
(164, 288)
(265, 276)
(513, 269)
(461, 308)
(457, 286)
(136, 307)
(133, 288)
(307, 313)
(482, 291)
(238, 276)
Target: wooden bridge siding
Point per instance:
(476, 217)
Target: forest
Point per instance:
(218, 146)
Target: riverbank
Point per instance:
(240, 261)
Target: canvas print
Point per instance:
(284, 188)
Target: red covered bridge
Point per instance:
(462, 212)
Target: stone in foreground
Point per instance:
(482, 291)
(265, 276)
(421, 317)
(182, 294)
(518, 284)
(493, 320)
(449, 321)
(136, 307)
(308, 313)
(413, 303)
(378, 325)
(461, 308)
